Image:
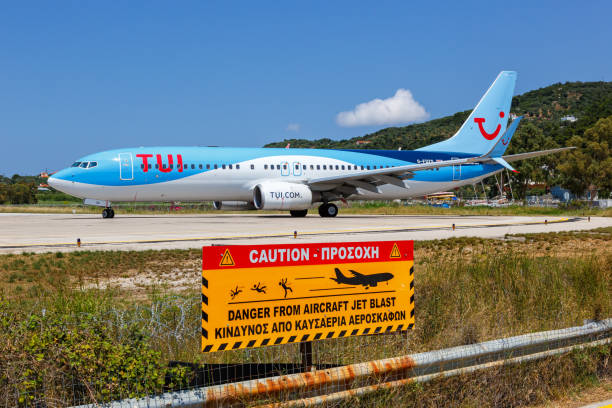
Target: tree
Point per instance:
(591, 163)
(530, 138)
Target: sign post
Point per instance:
(263, 295)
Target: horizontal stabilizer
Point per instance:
(528, 155)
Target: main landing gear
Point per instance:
(108, 213)
(328, 210)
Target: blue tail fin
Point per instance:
(487, 122)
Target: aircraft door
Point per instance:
(297, 169)
(126, 166)
(285, 169)
(456, 170)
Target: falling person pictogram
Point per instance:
(283, 283)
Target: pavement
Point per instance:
(60, 232)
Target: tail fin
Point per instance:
(487, 122)
(339, 276)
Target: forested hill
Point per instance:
(545, 108)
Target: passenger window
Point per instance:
(142, 166)
(311, 167)
(223, 166)
(237, 167)
(338, 167)
(265, 167)
(171, 166)
(157, 166)
(192, 166)
(284, 167)
(303, 167)
(149, 167)
(318, 167)
(252, 167)
(185, 166)
(368, 167)
(216, 167)
(324, 167)
(278, 167)
(230, 166)
(200, 166)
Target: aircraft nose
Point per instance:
(59, 182)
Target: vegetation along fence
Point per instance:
(326, 371)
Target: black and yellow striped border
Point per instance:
(274, 341)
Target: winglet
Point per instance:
(502, 144)
(504, 163)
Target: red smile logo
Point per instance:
(483, 132)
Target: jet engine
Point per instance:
(282, 196)
(233, 205)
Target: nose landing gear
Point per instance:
(108, 213)
(328, 210)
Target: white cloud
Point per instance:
(400, 108)
(293, 127)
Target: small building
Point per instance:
(569, 118)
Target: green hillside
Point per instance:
(544, 108)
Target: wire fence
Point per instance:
(162, 365)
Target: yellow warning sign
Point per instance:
(277, 294)
(227, 259)
(395, 252)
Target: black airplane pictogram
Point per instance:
(366, 281)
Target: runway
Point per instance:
(59, 232)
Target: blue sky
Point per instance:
(83, 76)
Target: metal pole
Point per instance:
(306, 352)
(510, 185)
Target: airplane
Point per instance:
(367, 281)
(294, 179)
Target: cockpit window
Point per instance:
(76, 164)
(92, 164)
(83, 165)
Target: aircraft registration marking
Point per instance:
(277, 294)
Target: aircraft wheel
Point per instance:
(298, 213)
(328, 210)
(112, 213)
(105, 213)
(332, 210)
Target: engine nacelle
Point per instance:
(233, 205)
(282, 196)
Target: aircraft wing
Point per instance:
(369, 180)
(528, 155)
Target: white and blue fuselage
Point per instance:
(230, 174)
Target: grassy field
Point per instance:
(100, 315)
(381, 208)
